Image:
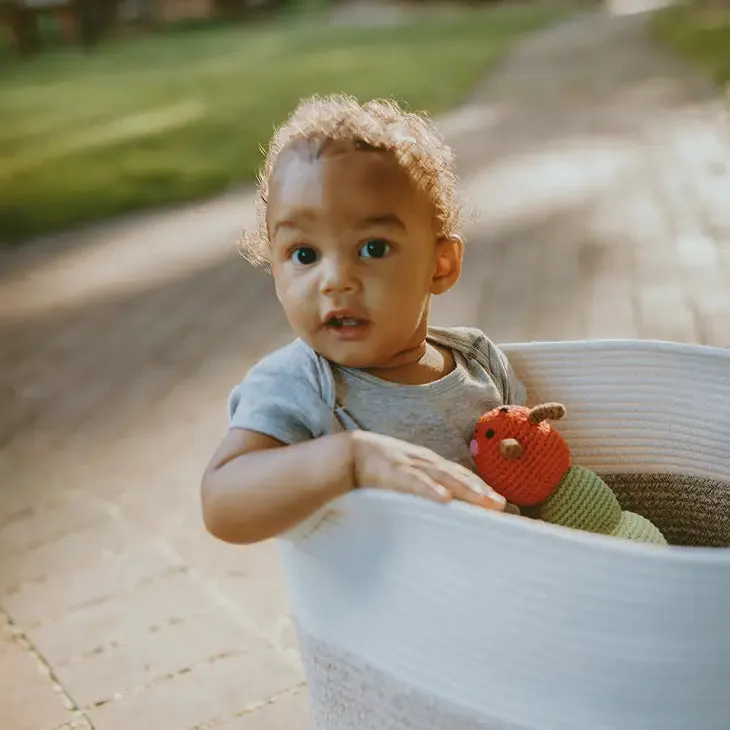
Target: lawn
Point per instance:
(177, 116)
(701, 35)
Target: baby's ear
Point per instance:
(449, 257)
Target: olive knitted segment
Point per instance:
(638, 528)
(582, 501)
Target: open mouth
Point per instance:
(344, 322)
(345, 326)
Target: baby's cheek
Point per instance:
(474, 448)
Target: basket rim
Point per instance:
(471, 516)
(634, 344)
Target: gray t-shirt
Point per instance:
(294, 394)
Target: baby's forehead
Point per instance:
(313, 151)
(340, 167)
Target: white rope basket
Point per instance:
(417, 616)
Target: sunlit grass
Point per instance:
(700, 33)
(173, 117)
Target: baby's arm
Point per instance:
(255, 487)
(279, 462)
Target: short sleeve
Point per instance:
(513, 389)
(279, 398)
(500, 368)
(473, 343)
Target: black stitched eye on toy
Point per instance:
(490, 433)
(504, 410)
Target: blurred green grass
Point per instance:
(172, 117)
(701, 33)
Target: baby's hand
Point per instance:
(388, 463)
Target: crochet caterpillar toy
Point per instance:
(518, 453)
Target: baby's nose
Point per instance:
(510, 448)
(337, 276)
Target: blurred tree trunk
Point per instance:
(233, 9)
(89, 27)
(108, 15)
(96, 19)
(83, 21)
(23, 25)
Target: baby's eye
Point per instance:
(375, 249)
(304, 255)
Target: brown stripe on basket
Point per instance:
(349, 694)
(689, 510)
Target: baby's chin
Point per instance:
(352, 357)
(358, 355)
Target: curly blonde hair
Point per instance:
(379, 124)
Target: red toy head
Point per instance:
(519, 454)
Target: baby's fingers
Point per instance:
(421, 484)
(468, 487)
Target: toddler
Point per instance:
(359, 225)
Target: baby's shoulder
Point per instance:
(474, 345)
(294, 358)
(469, 341)
(294, 366)
(285, 395)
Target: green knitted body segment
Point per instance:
(583, 501)
(635, 527)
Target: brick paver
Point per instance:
(601, 169)
(30, 698)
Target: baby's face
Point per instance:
(355, 256)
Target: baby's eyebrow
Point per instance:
(295, 221)
(384, 219)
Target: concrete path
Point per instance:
(601, 167)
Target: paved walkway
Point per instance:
(602, 168)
